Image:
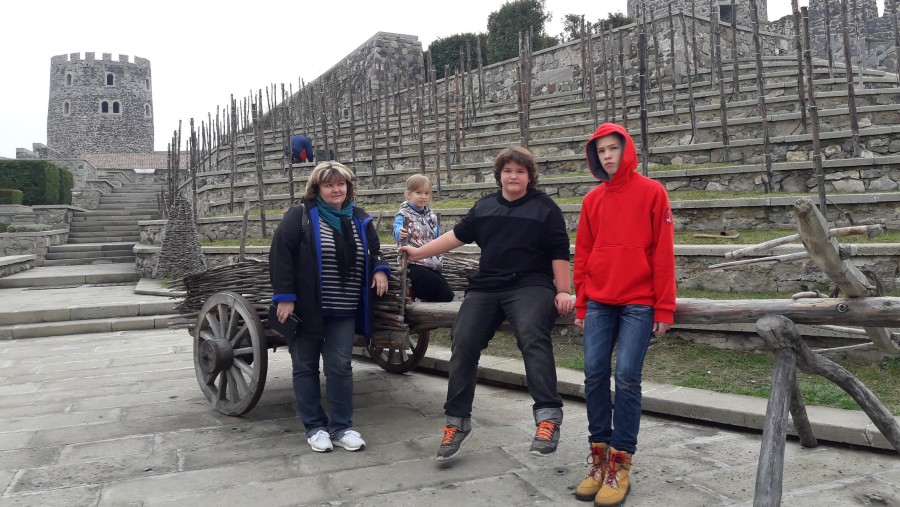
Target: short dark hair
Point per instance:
(521, 156)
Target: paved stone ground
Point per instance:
(117, 419)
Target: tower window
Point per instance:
(116, 107)
(104, 107)
(147, 110)
(725, 13)
(67, 108)
(147, 84)
(68, 79)
(110, 80)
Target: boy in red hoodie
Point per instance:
(625, 291)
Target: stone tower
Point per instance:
(100, 106)
(701, 8)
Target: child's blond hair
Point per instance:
(417, 181)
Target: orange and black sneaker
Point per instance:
(453, 439)
(546, 438)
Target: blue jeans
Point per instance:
(604, 326)
(531, 312)
(336, 349)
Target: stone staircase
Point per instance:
(108, 233)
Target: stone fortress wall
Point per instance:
(100, 106)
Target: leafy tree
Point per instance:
(445, 51)
(615, 20)
(513, 17)
(571, 28)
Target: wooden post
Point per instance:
(260, 185)
(592, 94)
(829, 44)
(672, 66)
(818, 167)
(736, 78)
(622, 76)
(693, 42)
(770, 471)
(824, 251)
(457, 130)
(480, 73)
(723, 105)
(584, 62)
(387, 120)
(690, 75)
(657, 66)
(352, 99)
(861, 42)
(233, 132)
(447, 121)
(287, 101)
(851, 93)
(798, 47)
(642, 86)
(604, 62)
(192, 164)
(761, 93)
(800, 417)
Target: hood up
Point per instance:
(629, 153)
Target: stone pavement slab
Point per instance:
(141, 433)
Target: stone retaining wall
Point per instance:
(11, 265)
(36, 243)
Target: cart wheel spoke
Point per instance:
(401, 360)
(230, 353)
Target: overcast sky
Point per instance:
(201, 52)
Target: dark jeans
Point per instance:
(336, 350)
(531, 312)
(604, 326)
(429, 285)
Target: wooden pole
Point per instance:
(584, 62)
(480, 73)
(761, 94)
(851, 93)
(770, 471)
(868, 230)
(457, 130)
(672, 66)
(690, 75)
(622, 76)
(693, 42)
(604, 62)
(862, 36)
(896, 27)
(829, 44)
(420, 117)
(798, 47)
(818, 167)
(736, 77)
(657, 68)
(642, 85)
(447, 121)
(233, 127)
(723, 105)
(592, 94)
(260, 185)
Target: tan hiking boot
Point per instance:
(617, 482)
(588, 488)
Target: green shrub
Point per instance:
(66, 182)
(3, 227)
(39, 181)
(29, 227)
(10, 196)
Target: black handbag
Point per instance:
(288, 328)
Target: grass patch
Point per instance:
(671, 360)
(237, 242)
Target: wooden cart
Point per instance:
(225, 309)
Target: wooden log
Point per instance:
(869, 230)
(810, 362)
(774, 258)
(876, 311)
(798, 48)
(824, 251)
(800, 418)
(776, 331)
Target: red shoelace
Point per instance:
(545, 430)
(614, 464)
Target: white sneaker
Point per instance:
(320, 442)
(351, 441)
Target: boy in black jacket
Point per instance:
(523, 277)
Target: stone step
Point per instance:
(104, 223)
(94, 254)
(89, 261)
(91, 247)
(117, 198)
(87, 312)
(103, 239)
(118, 213)
(103, 325)
(58, 276)
(110, 219)
(77, 228)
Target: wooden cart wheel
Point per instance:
(402, 360)
(230, 356)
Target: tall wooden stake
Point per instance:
(851, 93)
(798, 47)
(761, 93)
(814, 113)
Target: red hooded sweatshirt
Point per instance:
(624, 249)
